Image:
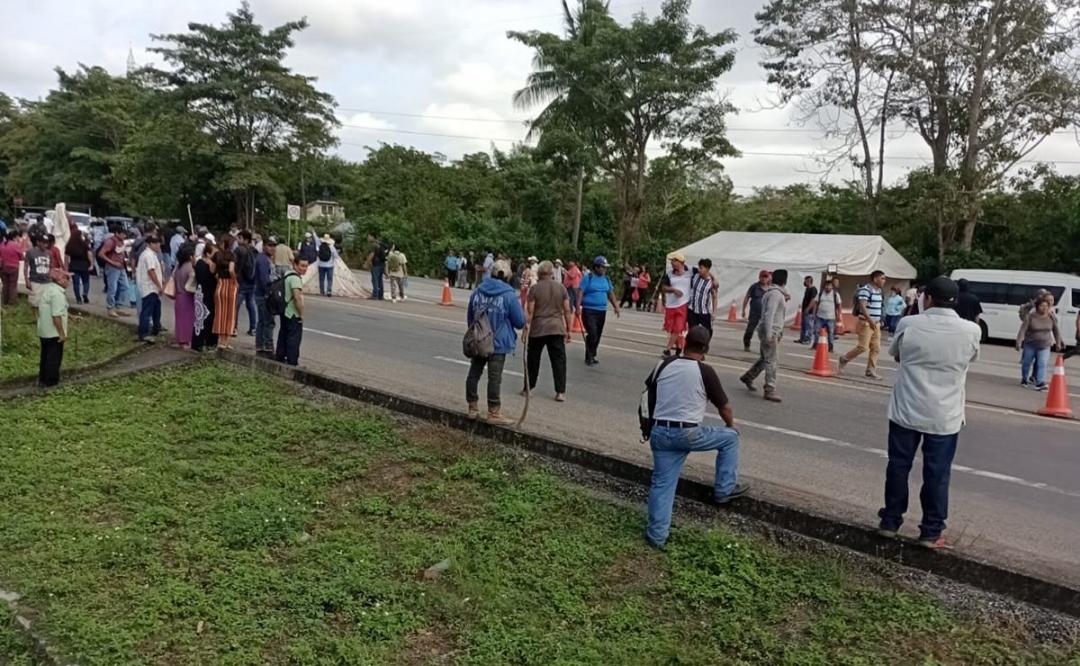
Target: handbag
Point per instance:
(170, 288)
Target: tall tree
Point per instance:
(232, 79)
(630, 86)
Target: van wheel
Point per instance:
(985, 332)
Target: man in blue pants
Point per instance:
(377, 251)
(684, 386)
(934, 350)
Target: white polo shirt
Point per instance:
(934, 350)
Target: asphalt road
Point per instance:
(1015, 496)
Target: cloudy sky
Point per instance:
(433, 74)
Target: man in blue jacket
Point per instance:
(505, 315)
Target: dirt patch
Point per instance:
(430, 645)
(448, 443)
(633, 571)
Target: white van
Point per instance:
(1003, 292)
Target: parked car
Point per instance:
(1003, 292)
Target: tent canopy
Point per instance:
(801, 253)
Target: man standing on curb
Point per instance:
(52, 327)
(868, 309)
(753, 297)
(377, 259)
(148, 280)
(934, 350)
(244, 256)
(681, 388)
(292, 322)
(264, 275)
(770, 331)
(806, 330)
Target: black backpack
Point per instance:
(325, 253)
(479, 340)
(276, 298)
(648, 396)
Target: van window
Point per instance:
(1076, 300)
(1003, 293)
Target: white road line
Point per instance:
(809, 356)
(882, 453)
(332, 335)
(651, 335)
(461, 362)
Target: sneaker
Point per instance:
(843, 364)
(935, 543)
(1041, 387)
(655, 546)
(886, 533)
(560, 397)
(749, 383)
(667, 353)
(771, 396)
(251, 333)
(739, 490)
(148, 340)
(1025, 384)
(873, 375)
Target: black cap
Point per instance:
(698, 338)
(943, 291)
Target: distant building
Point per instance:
(325, 210)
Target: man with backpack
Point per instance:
(377, 260)
(264, 276)
(678, 392)
(869, 311)
(244, 257)
(287, 299)
(494, 317)
(327, 258)
(826, 308)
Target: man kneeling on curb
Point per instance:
(682, 387)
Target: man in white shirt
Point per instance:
(676, 289)
(934, 350)
(682, 387)
(148, 276)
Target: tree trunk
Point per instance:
(577, 208)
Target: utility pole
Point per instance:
(577, 208)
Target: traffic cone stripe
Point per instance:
(1057, 399)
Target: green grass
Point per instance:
(91, 340)
(210, 515)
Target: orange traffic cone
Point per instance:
(446, 298)
(733, 313)
(822, 364)
(576, 326)
(797, 324)
(1057, 400)
(840, 328)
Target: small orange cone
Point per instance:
(446, 298)
(822, 364)
(733, 313)
(1057, 400)
(797, 324)
(840, 328)
(577, 327)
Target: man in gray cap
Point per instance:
(934, 350)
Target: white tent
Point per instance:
(345, 281)
(738, 256)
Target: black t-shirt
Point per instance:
(968, 306)
(756, 292)
(378, 253)
(808, 297)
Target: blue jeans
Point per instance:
(807, 332)
(830, 329)
(377, 281)
(149, 315)
(326, 280)
(80, 284)
(264, 332)
(116, 287)
(1039, 357)
(938, 452)
(245, 295)
(891, 322)
(670, 447)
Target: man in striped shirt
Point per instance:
(703, 288)
(868, 310)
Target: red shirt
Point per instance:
(572, 279)
(643, 281)
(112, 251)
(11, 253)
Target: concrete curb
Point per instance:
(948, 564)
(40, 649)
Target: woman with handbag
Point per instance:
(183, 279)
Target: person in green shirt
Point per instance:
(52, 327)
(292, 322)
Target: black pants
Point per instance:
(288, 340)
(593, 321)
(627, 299)
(52, 353)
(698, 319)
(451, 277)
(556, 347)
(494, 364)
(751, 326)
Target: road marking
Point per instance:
(880, 367)
(333, 335)
(882, 453)
(651, 335)
(461, 362)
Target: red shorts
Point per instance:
(675, 319)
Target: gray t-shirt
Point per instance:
(826, 305)
(40, 263)
(548, 297)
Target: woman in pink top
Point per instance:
(572, 282)
(11, 253)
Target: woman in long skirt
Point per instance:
(225, 297)
(184, 305)
(205, 288)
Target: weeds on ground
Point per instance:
(210, 515)
(92, 340)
